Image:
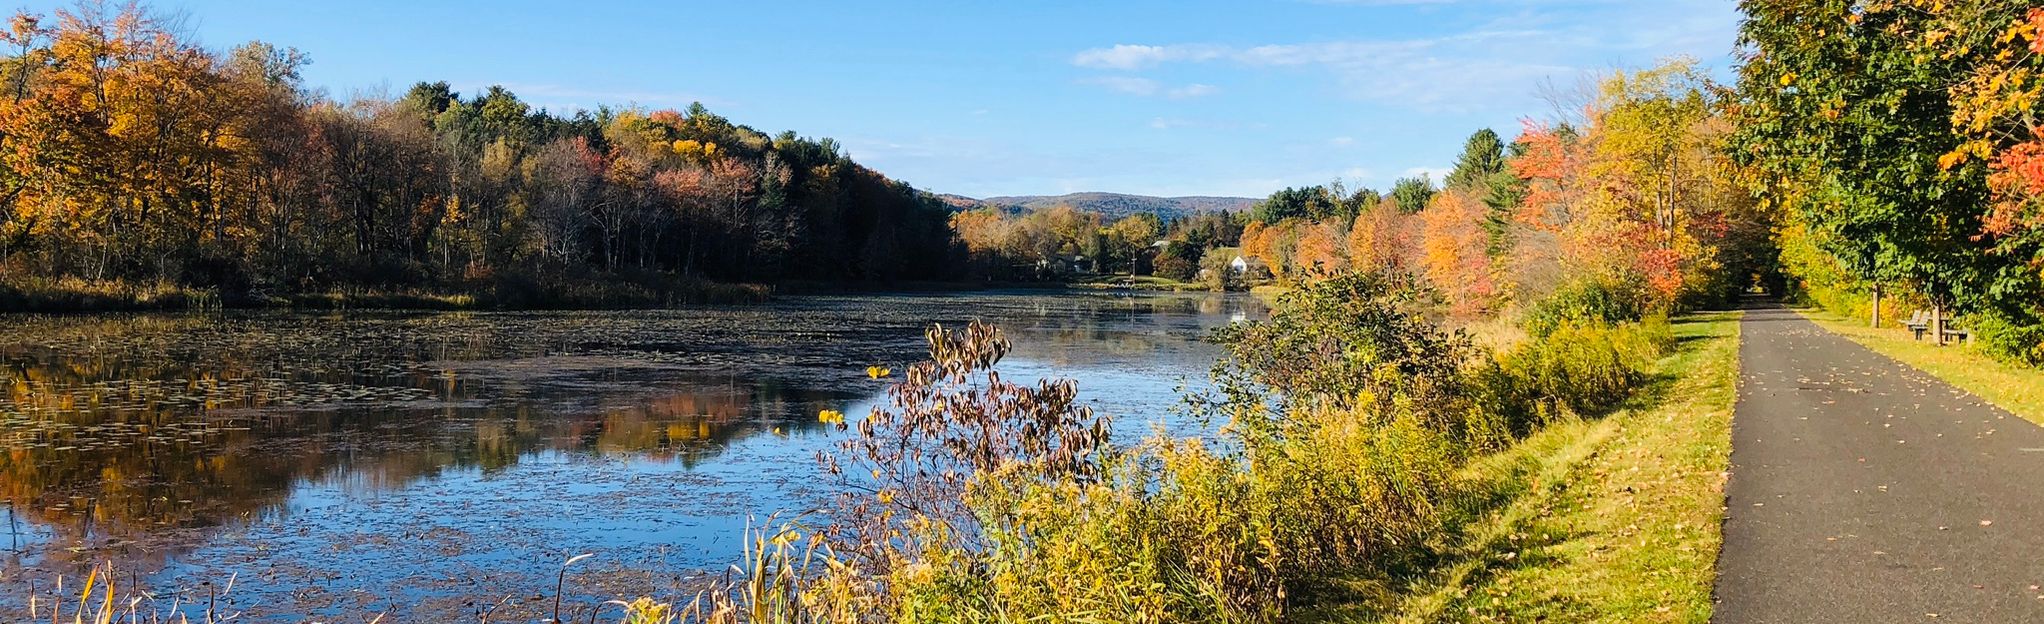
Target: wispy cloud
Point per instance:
(1166, 123)
(1146, 87)
(1127, 56)
(1503, 57)
(1437, 174)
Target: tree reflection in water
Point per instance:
(322, 446)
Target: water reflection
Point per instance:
(287, 447)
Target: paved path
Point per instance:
(1863, 490)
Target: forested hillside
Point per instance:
(130, 155)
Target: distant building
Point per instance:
(1076, 264)
(1248, 267)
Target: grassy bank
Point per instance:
(2012, 387)
(1607, 520)
(1138, 282)
(1269, 293)
(73, 295)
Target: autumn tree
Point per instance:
(129, 153)
(1835, 97)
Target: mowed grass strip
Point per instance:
(1614, 519)
(2012, 387)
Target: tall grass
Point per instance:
(18, 294)
(101, 599)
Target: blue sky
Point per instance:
(1004, 98)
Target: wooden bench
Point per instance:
(1919, 323)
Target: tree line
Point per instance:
(1899, 141)
(1056, 242)
(1633, 196)
(1871, 157)
(127, 152)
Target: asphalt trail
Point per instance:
(1863, 490)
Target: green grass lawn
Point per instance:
(2011, 387)
(1602, 520)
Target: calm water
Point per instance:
(439, 465)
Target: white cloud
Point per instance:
(1126, 84)
(1437, 174)
(1163, 123)
(1504, 57)
(1140, 56)
(1342, 141)
(1146, 87)
(1432, 73)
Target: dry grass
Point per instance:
(2012, 387)
(72, 294)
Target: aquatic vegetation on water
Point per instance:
(638, 436)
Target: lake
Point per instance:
(442, 465)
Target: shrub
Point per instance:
(951, 434)
(2009, 337)
(1604, 301)
(1575, 369)
(1180, 532)
(1354, 338)
(1217, 273)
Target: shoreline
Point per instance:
(77, 297)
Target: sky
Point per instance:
(982, 98)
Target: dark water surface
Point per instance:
(439, 465)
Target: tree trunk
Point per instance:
(1875, 321)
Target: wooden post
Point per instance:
(1937, 322)
(1875, 320)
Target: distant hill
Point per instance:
(1111, 205)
